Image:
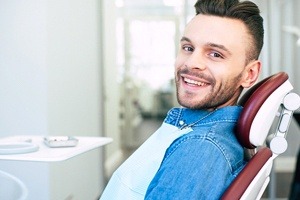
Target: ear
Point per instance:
(251, 73)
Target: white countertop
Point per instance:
(47, 154)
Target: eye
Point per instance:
(216, 55)
(187, 48)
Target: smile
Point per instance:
(193, 82)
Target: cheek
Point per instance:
(222, 79)
(226, 72)
(178, 63)
(177, 66)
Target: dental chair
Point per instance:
(268, 102)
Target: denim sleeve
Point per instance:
(193, 168)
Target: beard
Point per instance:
(216, 97)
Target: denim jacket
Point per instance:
(193, 155)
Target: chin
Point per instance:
(188, 104)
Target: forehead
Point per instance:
(231, 33)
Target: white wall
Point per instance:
(50, 84)
(23, 67)
(73, 67)
(113, 152)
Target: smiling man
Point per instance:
(212, 65)
(195, 154)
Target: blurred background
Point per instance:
(105, 68)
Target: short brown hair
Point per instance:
(246, 11)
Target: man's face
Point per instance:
(210, 64)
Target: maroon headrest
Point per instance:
(240, 184)
(252, 100)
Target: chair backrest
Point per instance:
(262, 103)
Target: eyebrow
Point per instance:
(219, 46)
(209, 44)
(185, 39)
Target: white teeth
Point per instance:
(194, 82)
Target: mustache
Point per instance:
(187, 71)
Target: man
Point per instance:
(194, 154)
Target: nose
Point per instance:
(195, 61)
